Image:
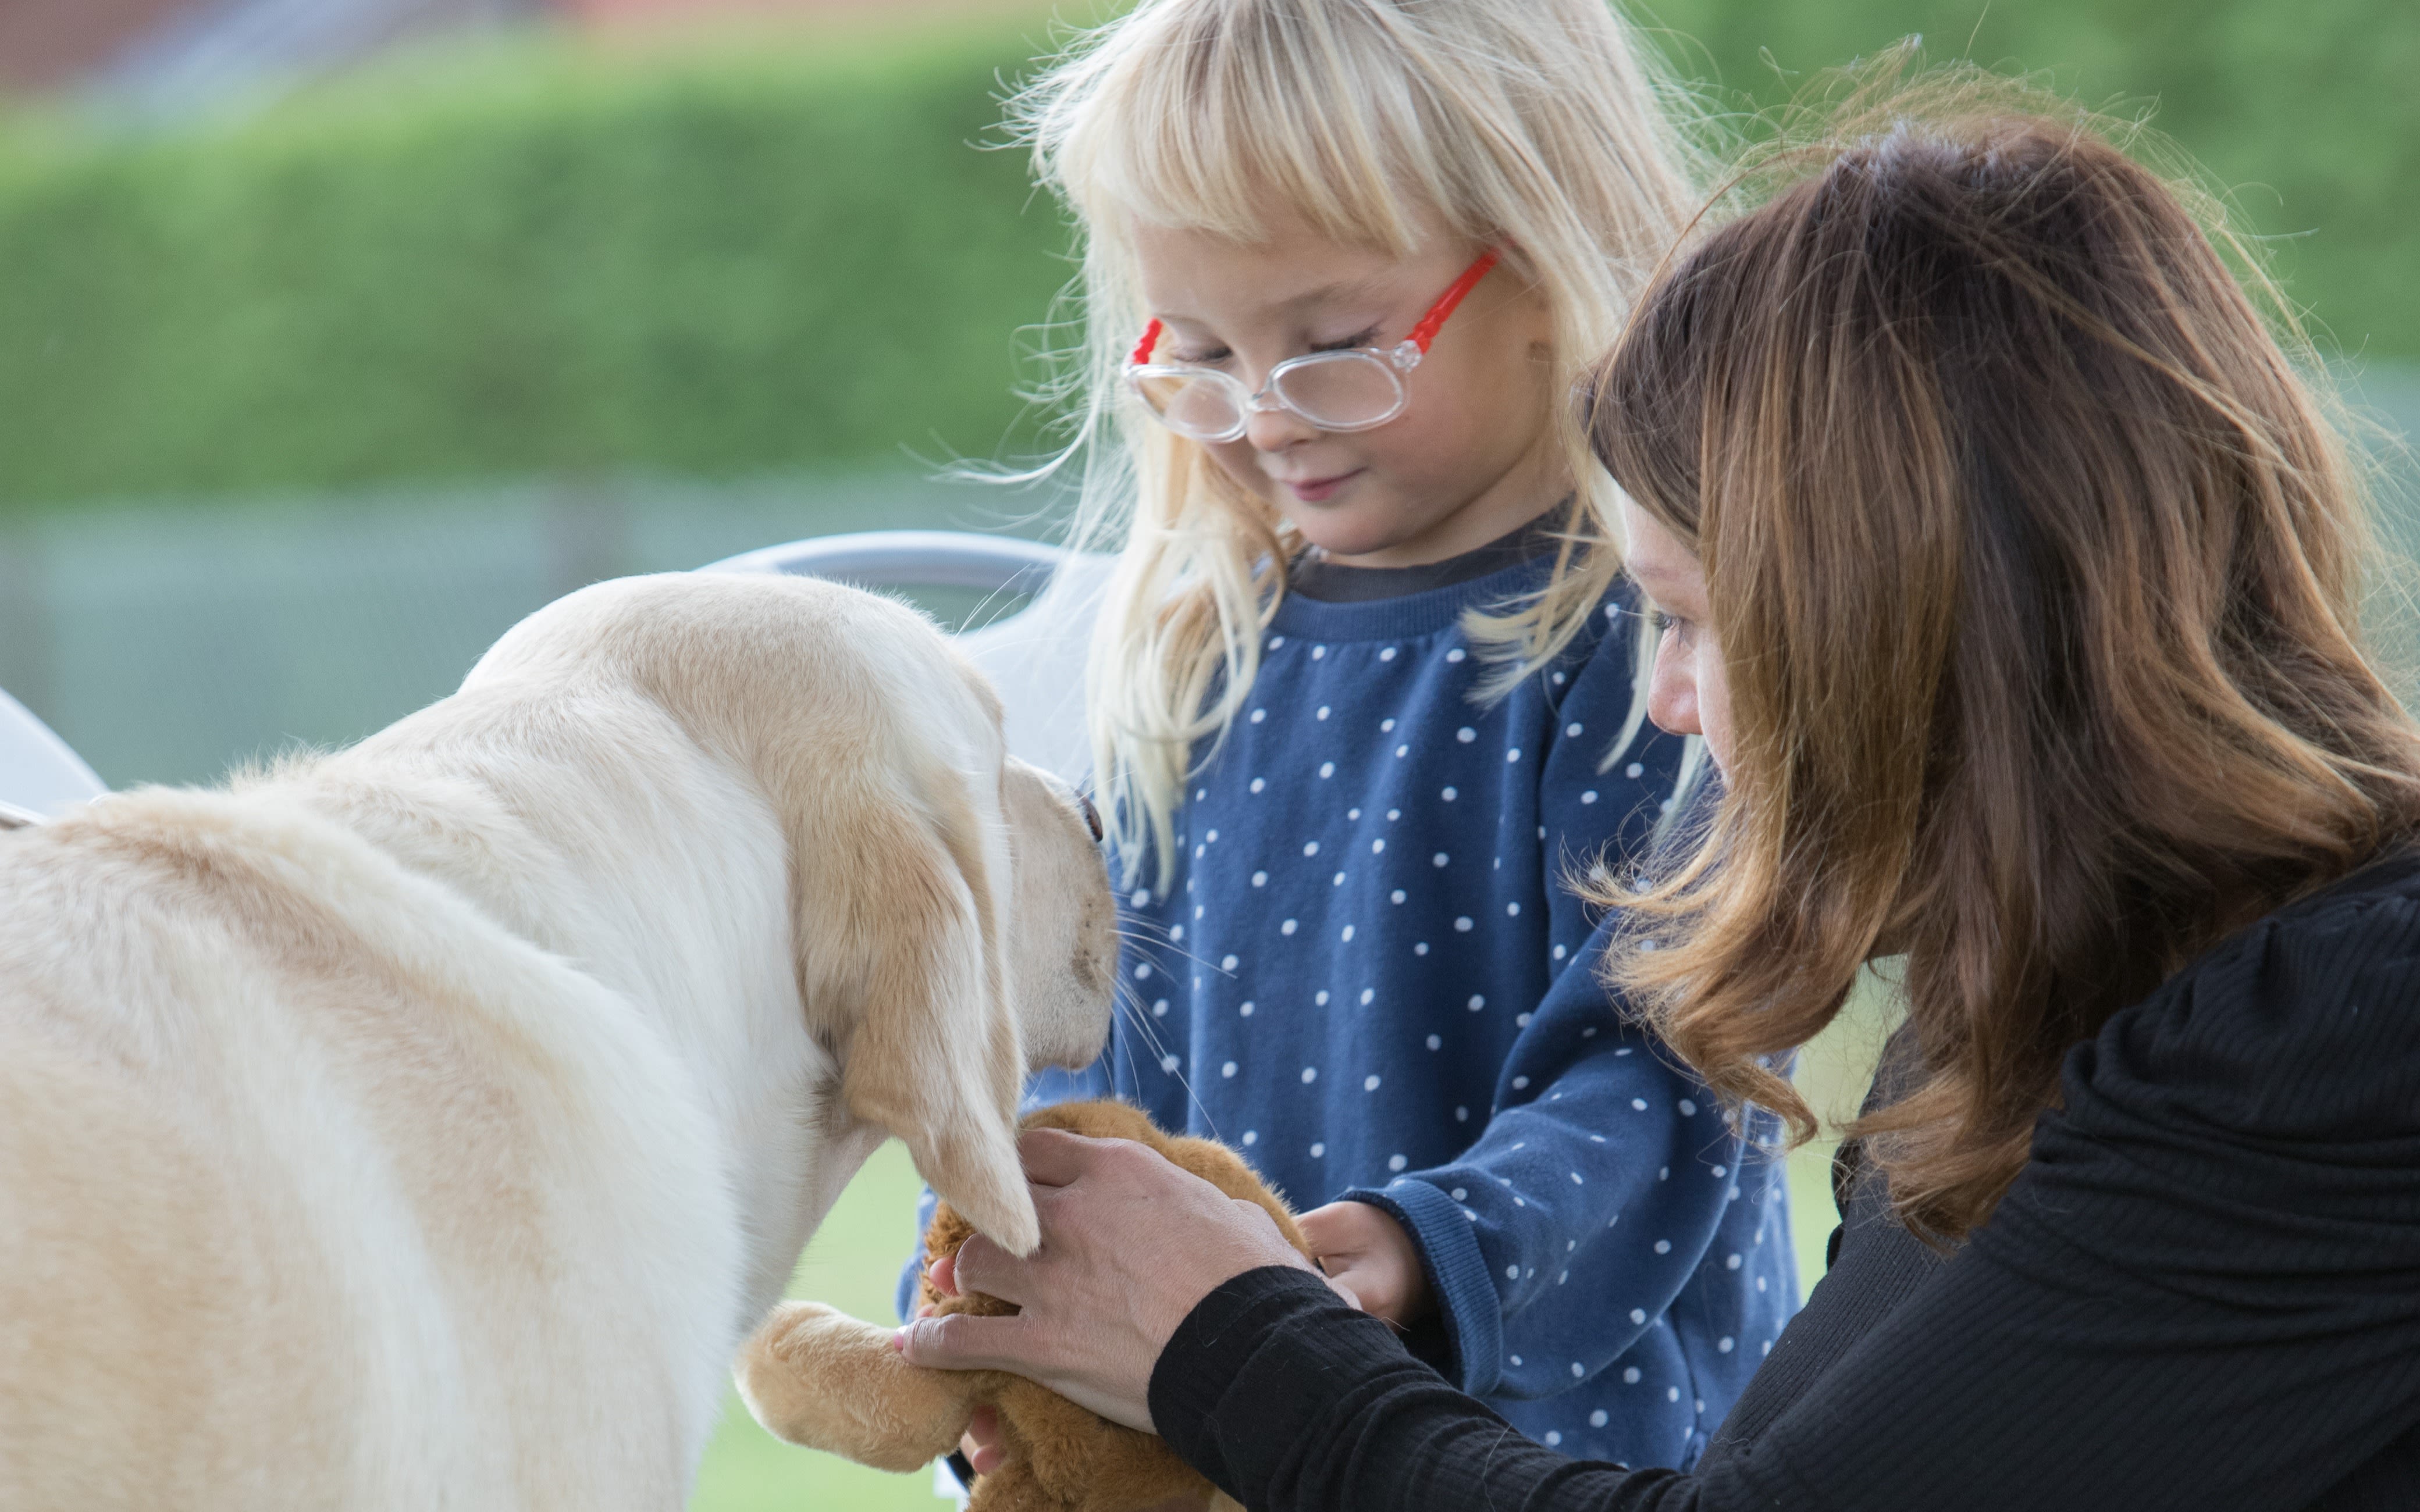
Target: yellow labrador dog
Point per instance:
(424, 1125)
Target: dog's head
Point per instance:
(952, 923)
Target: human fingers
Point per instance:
(962, 1341)
(1125, 1257)
(981, 1442)
(943, 1273)
(1269, 1237)
(1365, 1247)
(1343, 1228)
(982, 1266)
(1054, 1157)
(1368, 1283)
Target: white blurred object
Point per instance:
(39, 774)
(1035, 659)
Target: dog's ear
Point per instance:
(934, 1056)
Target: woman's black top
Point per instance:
(2202, 1292)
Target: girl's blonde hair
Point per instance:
(1541, 127)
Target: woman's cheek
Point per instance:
(1714, 704)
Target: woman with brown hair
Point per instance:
(2011, 573)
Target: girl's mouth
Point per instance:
(1319, 490)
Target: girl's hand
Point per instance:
(1370, 1258)
(1130, 1245)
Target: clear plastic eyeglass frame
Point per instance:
(1358, 388)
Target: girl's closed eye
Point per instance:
(1215, 356)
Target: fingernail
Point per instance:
(899, 1340)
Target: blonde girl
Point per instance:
(1363, 694)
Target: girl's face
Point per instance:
(1471, 458)
(1688, 694)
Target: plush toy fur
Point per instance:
(817, 1378)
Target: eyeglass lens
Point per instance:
(1334, 390)
(1341, 388)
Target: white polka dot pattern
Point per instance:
(1364, 933)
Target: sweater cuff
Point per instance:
(1219, 1357)
(1467, 1302)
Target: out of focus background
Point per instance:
(336, 335)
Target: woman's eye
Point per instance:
(1208, 359)
(1677, 630)
(1359, 339)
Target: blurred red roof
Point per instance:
(150, 46)
(48, 42)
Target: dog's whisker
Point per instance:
(1136, 1015)
(1135, 926)
(1144, 946)
(1144, 1027)
(1133, 1078)
(1148, 1031)
(1194, 1098)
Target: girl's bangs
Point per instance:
(1261, 119)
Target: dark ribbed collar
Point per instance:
(1409, 614)
(1326, 601)
(1331, 582)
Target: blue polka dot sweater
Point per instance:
(1367, 975)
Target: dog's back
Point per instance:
(424, 1124)
(236, 1267)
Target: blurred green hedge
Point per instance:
(2306, 110)
(538, 259)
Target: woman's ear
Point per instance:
(932, 1053)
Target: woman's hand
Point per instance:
(1130, 1245)
(1370, 1259)
(981, 1442)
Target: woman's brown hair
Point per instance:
(2035, 566)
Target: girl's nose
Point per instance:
(1275, 430)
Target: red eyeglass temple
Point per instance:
(1422, 334)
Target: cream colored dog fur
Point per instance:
(424, 1125)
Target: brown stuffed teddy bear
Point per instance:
(828, 1382)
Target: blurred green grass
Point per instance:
(1832, 1073)
(851, 1263)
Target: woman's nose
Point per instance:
(1673, 694)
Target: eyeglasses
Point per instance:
(1357, 389)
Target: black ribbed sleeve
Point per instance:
(2203, 1291)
